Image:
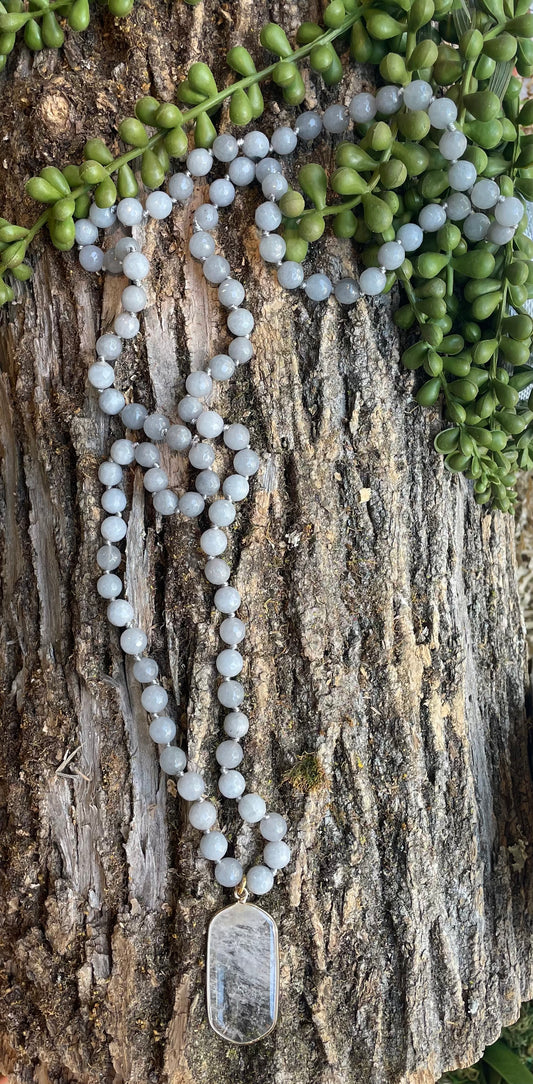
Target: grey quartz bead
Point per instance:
(108, 558)
(191, 786)
(191, 505)
(189, 408)
(91, 258)
(236, 724)
(165, 502)
(255, 145)
(388, 100)
(108, 347)
(217, 571)
(308, 125)
(240, 322)
(236, 436)
(133, 641)
(209, 424)
(241, 171)
(162, 730)
(284, 140)
(113, 501)
(134, 415)
(230, 293)
(109, 473)
(225, 148)
(347, 291)
(259, 880)
(158, 205)
(240, 350)
(120, 612)
(206, 216)
(125, 245)
(146, 454)
(111, 401)
(126, 325)
(231, 784)
(216, 268)
(221, 192)
(199, 384)
(290, 275)
(156, 478)
(101, 375)
(229, 663)
(103, 217)
(178, 438)
(156, 426)
(172, 760)
(273, 827)
(229, 754)
(130, 211)
(228, 872)
(181, 187)
(201, 245)
(235, 487)
(199, 162)
(232, 630)
(85, 231)
(202, 815)
(246, 462)
(277, 855)
(318, 287)
(207, 483)
(227, 600)
(214, 846)
(272, 248)
(135, 266)
(266, 168)
(123, 451)
(133, 299)
(154, 698)
(222, 367)
(222, 513)
(113, 528)
(274, 186)
(109, 585)
(230, 694)
(252, 808)
(336, 119)
(213, 542)
(111, 263)
(372, 281)
(145, 670)
(201, 456)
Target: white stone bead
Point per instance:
(101, 375)
(252, 808)
(191, 786)
(476, 226)
(485, 194)
(199, 384)
(417, 94)
(199, 162)
(236, 725)
(229, 663)
(228, 872)
(442, 112)
(462, 175)
(232, 784)
(259, 880)
(229, 754)
(123, 452)
(500, 235)
(202, 815)
(162, 730)
(209, 424)
(172, 760)
(452, 145)
(372, 281)
(222, 513)
(178, 438)
(111, 401)
(273, 827)
(214, 846)
(213, 542)
(388, 100)
(227, 600)
(458, 206)
(335, 119)
(432, 218)
(232, 630)
(277, 855)
(217, 571)
(158, 205)
(410, 236)
(120, 612)
(509, 212)
(391, 255)
(363, 108)
(108, 558)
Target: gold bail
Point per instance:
(241, 891)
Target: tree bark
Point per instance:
(385, 657)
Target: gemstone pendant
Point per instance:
(242, 973)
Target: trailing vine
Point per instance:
(40, 24)
(464, 299)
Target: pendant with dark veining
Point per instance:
(242, 973)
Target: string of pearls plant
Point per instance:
(40, 25)
(429, 182)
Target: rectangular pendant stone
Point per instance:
(242, 973)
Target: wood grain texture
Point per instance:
(385, 659)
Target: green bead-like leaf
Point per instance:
(95, 150)
(313, 180)
(53, 36)
(240, 110)
(273, 38)
(152, 172)
(126, 182)
(79, 15)
(241, 61)
(132, 131)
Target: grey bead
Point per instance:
(108, 558)
(266, 168)
(191, 786)
(209, 424)
(259, 880)
(308, 125)
(442, 112)
(290, 275)
(509, 211)
(134, 415)
(230, 293)
(91, 258)
(154, 698)
(284, 140)
(252, 808)
(217, 571)
(236, 436)
(222, 367)
(123, 451)
(277, 855)
(227, 600)
(202, 815)
(162, 730)
(113, 501)
(145, 670)
(146, 454)
(241, 171)
(363, 108)
(181, 187)
(172, 760)
(111, 263)
(113, 528)
(235, 487)
(135, 266)
(272, 248)
(225, 148)
(232, 630)
(273, 827)
(462, 175)
(191, 505)
(133, 299)
(318, 287)
(410, 236)
(240, 322)
(372, 281)
(213, 541)
(199, 384)
(335, 119)
(103, 217)
(108, 585)
(228, 872)
(207, 483)
(229, 663)
(155, 479)
(201, 456)
(199, 162)
(133, 641)
(458, 206)
(126, 325)
(216, 269)
(130, 211)
(229, 754)
(101, 375)
(388, 100)
(347, 291)
(255, 145)
(231, 784)
(111, 401)
(201, 245)
(109, 473)
(230, 694)
(246, 462)
(178, 438)
(236, 724)
(189, 408)
(240, 350)
(221, 192)
(214, 846)
(165, 502)
(418, 95)
(156, 426)
(120, 612)
(85, 231)
(206, 216)
(158, 205)
(432, 217)
(222, 513)
(125, 245)
(108, 347)
(274, 186)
